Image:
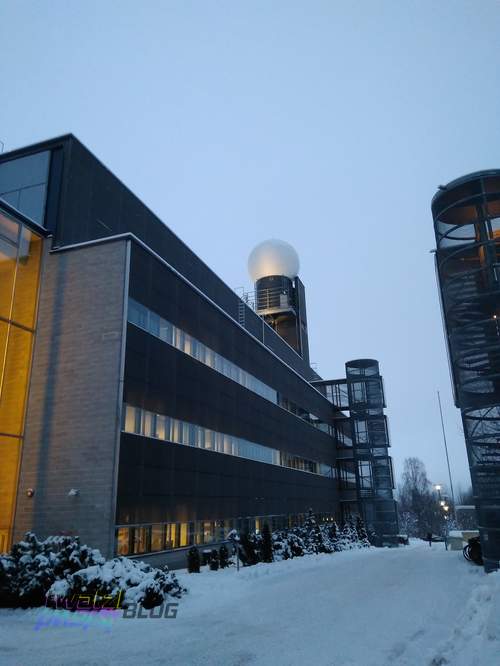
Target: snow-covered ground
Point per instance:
(409, 606)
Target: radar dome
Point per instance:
(273, 257)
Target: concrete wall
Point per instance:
(72, 421)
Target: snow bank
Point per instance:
(475, 636)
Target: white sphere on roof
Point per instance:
(273, 257)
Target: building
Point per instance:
(361, 394)
(143, 404)
(466, 215)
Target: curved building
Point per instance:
(466, 215)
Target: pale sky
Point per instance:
(326, 124)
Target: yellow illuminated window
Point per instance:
(20, 252)
(25, 293)
(157, 537)
(123, 538)
(9, 455)
(4, 327)
(8, 254)
(15, 381)
(184, 535)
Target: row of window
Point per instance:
(137, 539)
(151, 322)
(141, 422)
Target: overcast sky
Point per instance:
(326, 124)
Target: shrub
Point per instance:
(214, 560)
(193, 558)
(361, 533)
(223, 557)
(37, 572)
(249, 551)
(267, 544)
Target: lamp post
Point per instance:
(446, 450)
(446, 508)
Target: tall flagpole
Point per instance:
(446, 450)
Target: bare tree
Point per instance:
(419, 508)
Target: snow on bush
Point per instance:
(38, 572)
(312, 537)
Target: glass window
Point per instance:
(160, 427)
(137, 314)
(154, 324)
(184, 535)
(149, 424)
(140, 539)
(10, 448)
(165, 331)
(9, 230)
(208, 531)
(26, 289)
(123, 541)
(8, 254)
(365, 474)
(15, 380)
(129, 420)
(23, 184)
(157, 533)
(171, 535)
(361, 431)
(358, 392)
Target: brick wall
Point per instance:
(72, 423)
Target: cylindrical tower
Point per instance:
(279, 294)
(466, 215)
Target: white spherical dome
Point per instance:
(273, 257)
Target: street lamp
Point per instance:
(442, 503)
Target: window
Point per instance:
(123, 541)
(157, 533)
(184, 535)
(171, 535)
(365, 475)
(8, 260)
(140, 539)
(358, 390)
(148, 424)
(23, 184)
(149, 321)
(361, 427)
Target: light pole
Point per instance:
(446, 508)
(446, 451)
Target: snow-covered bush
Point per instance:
(214, 560)
(349, 539)
(127, 580)
(362, 534)
(223, 557)
(287, 544)
(38, 572)
(267, 544)
(249, 550)
(193, 560)
(316, 539)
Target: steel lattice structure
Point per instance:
(466, 217)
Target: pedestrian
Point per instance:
(429, 538)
